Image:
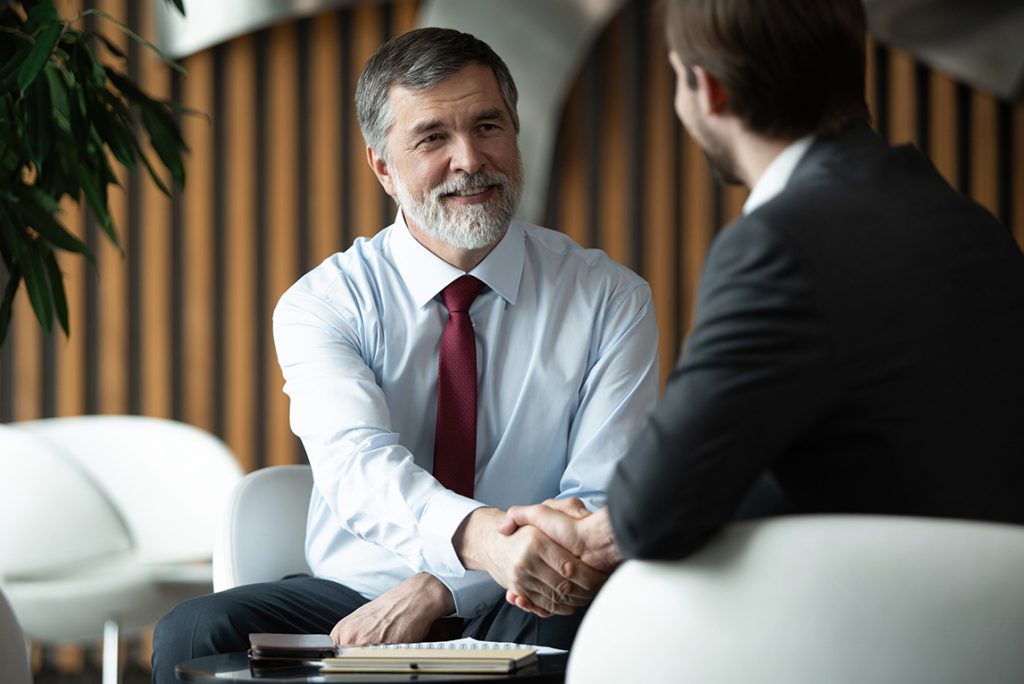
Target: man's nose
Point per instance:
(466, 158)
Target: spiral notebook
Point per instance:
(460, 656)
(270, 652)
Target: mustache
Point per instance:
(462, 183)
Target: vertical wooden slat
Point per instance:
(661, 246)
(366, 191)
(612, 202)
(26, 339)
(70, 355)
(155, 275)
(942, 147)
(572, 216)
(984, 186)
(902, 110)
(112, 324)
(71, 349)
(238, 328)
(281, 202)
(197, 202)
(403, 17)
(325, 123)
(733, 197)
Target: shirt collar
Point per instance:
(426, 274)
(776, 176)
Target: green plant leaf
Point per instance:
(6, 305)
(39, 210)
(115, 133)
(153, 175)
(39, 122)
(165, 139)
(58, 98)
(42, 13)
(112, 46)
(9, 71)
(137, 38)
(34, 269)
(180, 4)
(96, 199)
(37, 57)
(60, 299)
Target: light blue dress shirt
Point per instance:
(567, 371)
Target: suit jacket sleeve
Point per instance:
(755, 374)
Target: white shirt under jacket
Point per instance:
(567, 371)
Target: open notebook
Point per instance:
(431, 658)
(459, 655)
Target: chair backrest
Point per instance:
(817, 599)
(53, 515)
(263, 534)
(166, 479)
(13, 650)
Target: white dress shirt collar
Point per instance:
(426, 274)
(776, 176)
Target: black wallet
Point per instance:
(269, 646)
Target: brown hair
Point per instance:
(789, 67)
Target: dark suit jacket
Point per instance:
(861, 335)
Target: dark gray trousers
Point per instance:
(222, 622)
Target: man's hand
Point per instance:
(567, 522)
(403, 614)
(527, 563)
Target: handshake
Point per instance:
(551, 558)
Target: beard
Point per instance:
(474, 226)
(719, 155)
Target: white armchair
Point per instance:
(262, 535)
(13, 649)
(112, 523)
(817, 599)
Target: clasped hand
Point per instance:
(525, 560)
(567, 523)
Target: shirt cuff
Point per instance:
(440, 520)
(475, 593)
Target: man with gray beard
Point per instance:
(458, 363)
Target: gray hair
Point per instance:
(418, 60)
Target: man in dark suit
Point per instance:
(859, 332)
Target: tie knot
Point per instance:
(460, 293)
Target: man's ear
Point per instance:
(381, 170)
(712, 96)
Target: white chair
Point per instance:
(817, 599)
(13, 649)
(113, 523)
(262, 536)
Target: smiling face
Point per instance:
(453, 164)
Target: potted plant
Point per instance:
(65, 117)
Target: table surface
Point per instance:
(234, 667)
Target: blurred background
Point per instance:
(179, 325)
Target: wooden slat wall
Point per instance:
(179, 326)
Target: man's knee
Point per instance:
(198, 627)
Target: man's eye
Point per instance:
(432, 138)
(488, 127)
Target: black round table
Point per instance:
(234, 667)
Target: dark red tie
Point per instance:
(455, 436)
